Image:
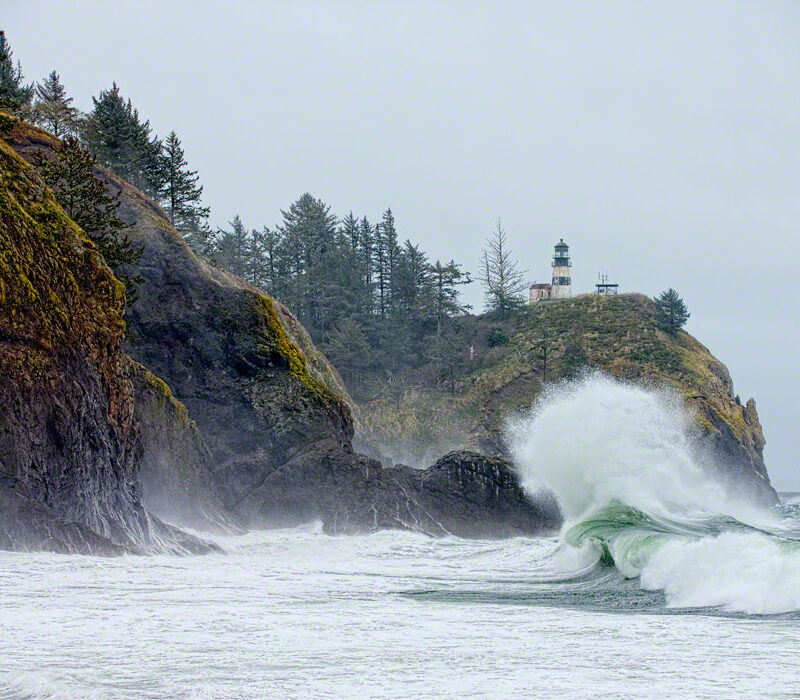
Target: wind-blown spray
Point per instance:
(621, 462)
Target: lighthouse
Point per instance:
(562, 277)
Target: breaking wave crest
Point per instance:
(637, 496)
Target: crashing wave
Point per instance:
(636, 496)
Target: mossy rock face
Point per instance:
(236, 360)
(235, 406)
(175, 470)
(68, 438)
(617, 335)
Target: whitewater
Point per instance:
(664, 582)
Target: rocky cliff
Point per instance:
(243, 422)
(553, 341)
(464, 493)
(230, 417)
(68, 438)
(175, 467)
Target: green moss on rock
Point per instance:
(618, 335)
(278, 344)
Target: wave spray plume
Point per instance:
(620, 460)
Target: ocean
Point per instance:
(663, 583)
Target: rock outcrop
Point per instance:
(464, 494)
(175, 468)
(554, 341)
(68, 438)
(230, 417)
(251, 425)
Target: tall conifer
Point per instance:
(180, 193)
(87, 201)
(114, 132)
(503, 282)
(15, 97)
(233, 247)
(53, 110)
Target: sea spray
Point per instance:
(599, 440)
(621, 461)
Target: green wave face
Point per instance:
(627, 537)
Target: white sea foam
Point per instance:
(599, 442)
(298, 614)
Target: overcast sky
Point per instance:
(661, 140)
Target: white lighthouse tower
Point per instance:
(562, 275)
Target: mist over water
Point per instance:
(652, 548)
(297, 614)
(622, 464)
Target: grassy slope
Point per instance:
(618, 335)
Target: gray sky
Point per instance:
(661, 140)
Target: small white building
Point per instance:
(561, 285)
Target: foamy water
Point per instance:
(634, 489)
(295, 613)
(661, 585)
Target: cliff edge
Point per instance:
(69, 443)
(548, 343)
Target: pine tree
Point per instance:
(309, 232)
(414, 285)
(15, 97)
(381, 271)
(350, 231)
(348, 349)
(671, 310)
(366, 252)
(329, 275)
(256, 264)
(503, 283)
(202, 239)
(180, 193)
(447, 350)
(231, 249)
(87, 201)
(123, 142)
(446, 280)
(274, 272)
(53, 110)
(390, 256)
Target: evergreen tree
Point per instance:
(87, 201)
(497, 337)
(446, 280)
(232, 248)
(274, 273)
(309, 232)
(201, 239)
(256, 265)
(671, 310)
(350, 231)
(381, 271)
(123, 142)
(15, 97)
(53, 110)
(447, 350)
(367, 257)
(389, 258)
(349, 350)
(329, 274)
(414, 283)
(503, 283)
(180, 193)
